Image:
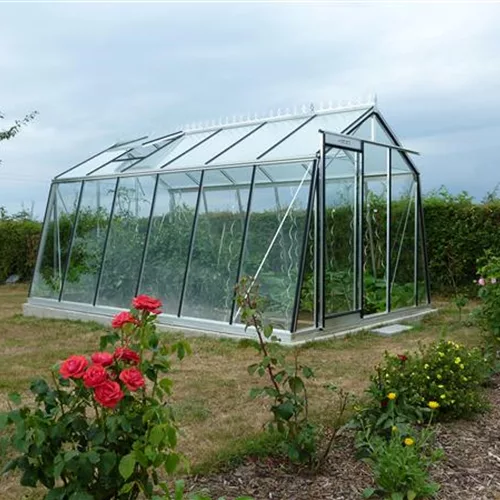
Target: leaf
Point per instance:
(284, 411)
(56, 494)
(166, 385)
(10, 465)
(171, 463)
(15, 397)
(127, 465)
(368, 492)
(296, 384)
(81, 495)
(39, 386)
(411, 495)
(108, 461)
(156, 435)
(4, 420)
(29, 477)
(307, 372)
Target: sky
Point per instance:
(102, 72)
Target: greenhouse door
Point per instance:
(341, 257)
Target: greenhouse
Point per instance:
(320, 206)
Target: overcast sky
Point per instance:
(102, 72)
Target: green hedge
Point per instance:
(18, 246)
(459, 232)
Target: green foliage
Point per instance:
(19, 238)
(445, 372)
(286, 387)
(179, 494)
(401, 465)
(489, 292)
(81, 445)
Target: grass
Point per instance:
(220, 422)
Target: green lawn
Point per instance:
(211, 386)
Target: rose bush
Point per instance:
(100, 431)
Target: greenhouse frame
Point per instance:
(320, 206)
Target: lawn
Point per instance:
(218, 418)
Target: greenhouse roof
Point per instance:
(283, 137)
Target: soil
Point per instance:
(470, 470)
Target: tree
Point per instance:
(13, 130)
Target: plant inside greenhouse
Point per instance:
(321, 205)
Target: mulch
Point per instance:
(470, 470)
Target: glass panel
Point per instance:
(374, 244)
(126, 240)
(171, 150)
(56, 237)
(93, 163)
(260, 141)
(375, 159)
(168, 245)
(274, 242)
(340, 232)
(306, 141)
(307, 305)
(402, 241)
(216, 250)
(88, 243)
(364, 131)
(399, 164)
(212, 147)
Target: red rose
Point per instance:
(102, 358)
(147, 303)
(94, 376)
(132, 378)
(108, 394)
(123, 318)
(74, 367)
(126, 354)
(402, 357)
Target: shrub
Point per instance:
(286, 380)
(489, 292)
(101, 431)
(445, 372)
(401, 465)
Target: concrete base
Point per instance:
(46, 308)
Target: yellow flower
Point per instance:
(462, 366)
(438, 376)
(433, 405)
(443, 396)
(426, 366)
(427, 377)
(458, 361)
(394, 428)
(391, 395)
(441, 386)
(409, 442)
(465, 379)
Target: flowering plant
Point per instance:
(104, 427)
(489, 292)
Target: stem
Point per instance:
(264, 350)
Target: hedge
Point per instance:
(459, 231)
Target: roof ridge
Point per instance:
(278, 114)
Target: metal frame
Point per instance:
(426, 276)
(388, 235)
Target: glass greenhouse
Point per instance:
(322, 207)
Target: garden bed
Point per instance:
(470, 470)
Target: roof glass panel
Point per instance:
(288, 171)
(171, 151)
(306, 141)
(93, 163)
(257, 143)
(215, 145)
